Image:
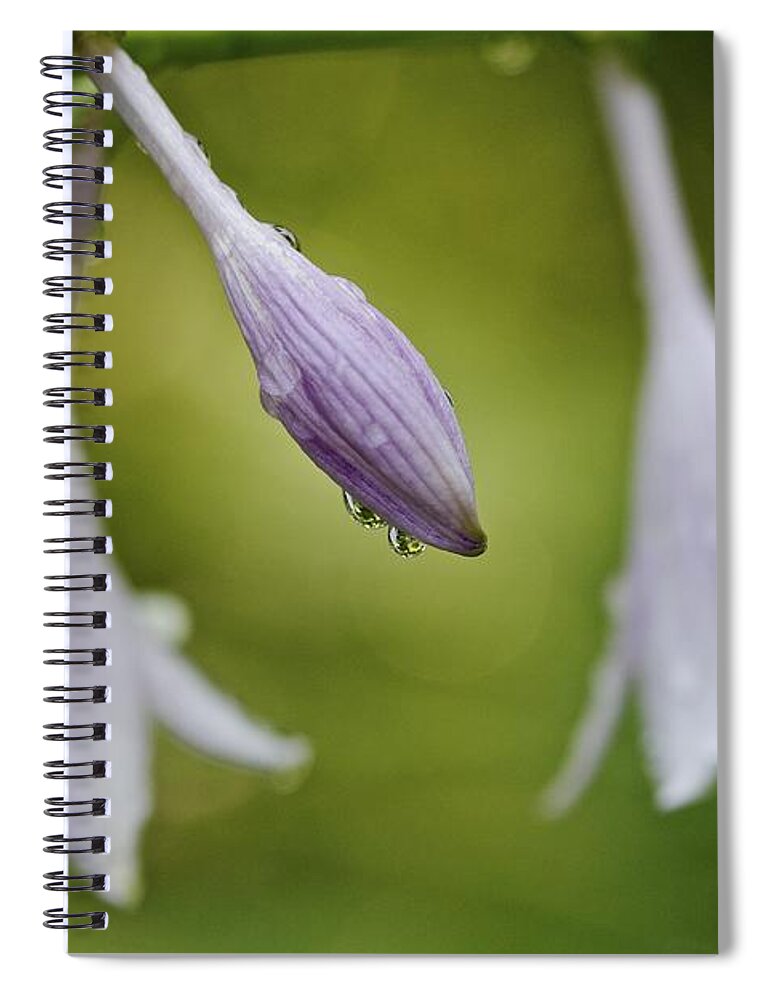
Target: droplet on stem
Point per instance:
(290, 237)
(202, 149)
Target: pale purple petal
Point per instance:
(664, 637)
(150, 681)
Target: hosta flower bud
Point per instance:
(348, 386)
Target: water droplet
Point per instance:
(351, 286)
(509, 56)
(289, 236)
(448, 395)
(233, 194)
(140, 147)
(405, 545)
(362, 515)
(199, 147)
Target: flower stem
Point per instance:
(175, 151)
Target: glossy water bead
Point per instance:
(361, 514)
(405, 545)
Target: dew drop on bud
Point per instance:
(233, 194)
(362, 515)
(448, 395)
(351, 286)
(289, 236)
(404, 545)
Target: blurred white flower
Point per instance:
(663, 639)
(151, 682)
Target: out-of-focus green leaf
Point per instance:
(190, 48)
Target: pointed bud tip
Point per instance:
(479, 547)
(474, 544)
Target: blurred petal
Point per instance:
(593, 733)
(192, 708)
(129, 750)
(665, 628)
(165, 615)
(150, 681)
(676, 560)
(211, 722)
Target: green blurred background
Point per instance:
(469, 191)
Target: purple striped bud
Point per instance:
(348, 386)
(352, 391)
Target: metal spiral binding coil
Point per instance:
(59, 249)
(54, 66)
(58, 211)
(90, 470)
(69, 395)
(65, 771)
(69, 284)
(99, 657)
(97, 694)
(56, 139)
(98, 545)
(100, 582)
(59, 807)
(77, 619)
(58, 175)
(63, 733)
(95, 433)
(76, 140)
(92, 322)
(73, 883)
(54, 102)
(57, 360)
(78, 508)
(59, 844)
(91, 920)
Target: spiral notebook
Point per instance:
(382, 492)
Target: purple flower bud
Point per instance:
(352, 391)
(347, 385)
